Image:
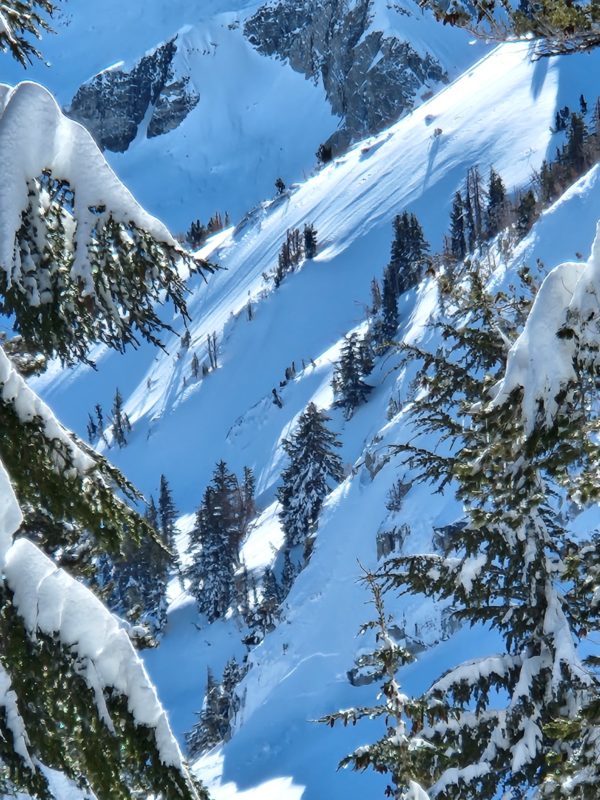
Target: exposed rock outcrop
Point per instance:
(115, 103)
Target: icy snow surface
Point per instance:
(499, 113)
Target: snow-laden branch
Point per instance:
(35, 136)
(563, 328)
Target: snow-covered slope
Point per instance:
(500, 113)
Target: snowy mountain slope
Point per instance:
(256, 119)
(500, 112)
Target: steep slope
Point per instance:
(499, 113)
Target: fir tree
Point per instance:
(507, 568)
(221, 523)
(306, 481)
(401, 752)
(496, 216)
(409, 251)
(211, 726)
(526, 213)
(84, 264)
(458, 244)
(195, 367)
(120, 426)
(310, 241)
(349, 388)
(167, 513)
(385, 327)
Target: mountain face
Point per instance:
(370, 76)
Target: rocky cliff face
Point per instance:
(370, 78)
(115, 103)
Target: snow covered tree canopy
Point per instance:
(561, 339)
(20, 19)
(80, 260)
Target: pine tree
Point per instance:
(195, 367)
(139, 578)
(526, 213)
(559, 27)
(496, 211)
(575, 149)
(289, 572)
(310, 241)
(248, 509)
(313, 465)
(508, 567)
(211, 726)
(82, 263)
(221, 523)
(385, 327)
(92, 429)
(120, 426)
(266, 614)
(458, 244)
(409, 251)
(349, 388)
(376, 298)
(401, 753)
(167, 513)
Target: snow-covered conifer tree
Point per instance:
(313, 467)
(507, 568)
(81, 262)
(350, 389)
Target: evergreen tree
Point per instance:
(82, 263)
(496, 216)
(313, 465)
(385, 327)
(195, 367)
(212, 570)
(575, 150)
(212, 725)
(409, 251)
(120, 426)
(310, 241)
(526, 213)
(349, 388)
(139, 577)
(508, 567)
(92, 429)
(266, 613)
(221, 523)
(401, 753)
(167, 513)
(376, 298)
(458, 243)
(557, 27)
(221, 704)
(289, 573)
